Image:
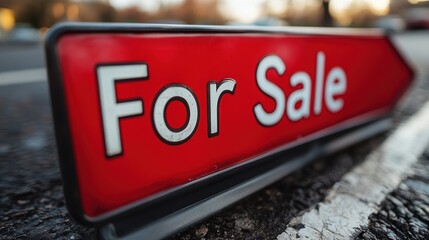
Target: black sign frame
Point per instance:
(207, 195)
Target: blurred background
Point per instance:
(31, 197)
(28, 20)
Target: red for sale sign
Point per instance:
(142, 111)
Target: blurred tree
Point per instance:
(189, 11)
(327, 17)
(305, 13)
(45, 13)
(201, 12)
(96, 11)
(33, 12)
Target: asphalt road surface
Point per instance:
(325, 200)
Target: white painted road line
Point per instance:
(359, 193)
(23, 76)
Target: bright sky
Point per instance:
(148, 5)
(248, 11)
(241, 10)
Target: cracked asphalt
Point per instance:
(404, 214)
(32, 202)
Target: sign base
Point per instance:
(281, 164)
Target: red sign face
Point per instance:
(149, 111)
